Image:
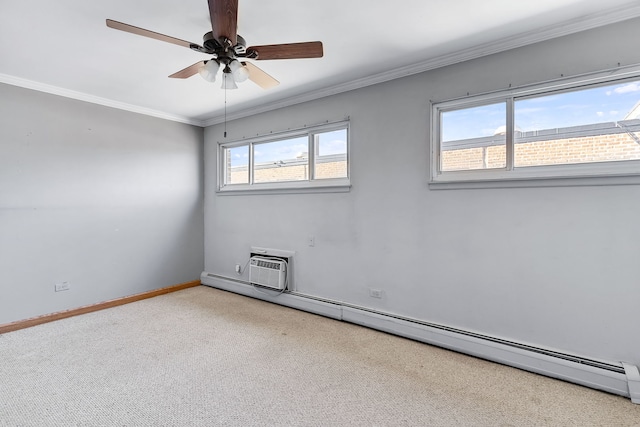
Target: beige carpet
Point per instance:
(204, 357)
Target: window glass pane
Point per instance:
(331, 154)
(236, 165)
(286, 160)
(473, 138)
(592, 125)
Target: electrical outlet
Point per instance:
(375, 293)
(64, 286)
(238, 269)
(311, 240)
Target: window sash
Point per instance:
(510, 97)
(310, 161)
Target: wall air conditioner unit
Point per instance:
(268, 272)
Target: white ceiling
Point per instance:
(64, 46)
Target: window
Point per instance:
(315, 157)
(474, 138)
(284, 160)
(575, 129)
(237, 159)
(600, 124)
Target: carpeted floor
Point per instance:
(205, 357)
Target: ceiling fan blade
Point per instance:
(188, 72)
(259, 77)
(288, 51)
(147, 33)
(224, 19)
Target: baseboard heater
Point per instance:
(617, 378)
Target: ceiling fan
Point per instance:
(228, 49)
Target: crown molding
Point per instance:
(610, 16)
(80, 96)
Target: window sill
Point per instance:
(524, 182)
(329, 186)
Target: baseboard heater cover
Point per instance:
(622, 379)
(554, 367)
(322, 308)
(633, 377)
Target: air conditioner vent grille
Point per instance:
(268, 264)
(268, 272)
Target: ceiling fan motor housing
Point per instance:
(212, 46)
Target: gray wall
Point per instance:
(550, 267)
(106, 200)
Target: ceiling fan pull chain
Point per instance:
(224, 76)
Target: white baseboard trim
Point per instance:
(322, 308)
(623, 381)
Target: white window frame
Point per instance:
(601, 173)
(309, 185)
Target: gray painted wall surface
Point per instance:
(107, 200)
(550, 267)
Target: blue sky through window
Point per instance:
(597, 105)
(333, 142)
(473, 122)
(239, 155)
(280, 150)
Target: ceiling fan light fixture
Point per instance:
(209, 71)
(240, 72)
(228, 82)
